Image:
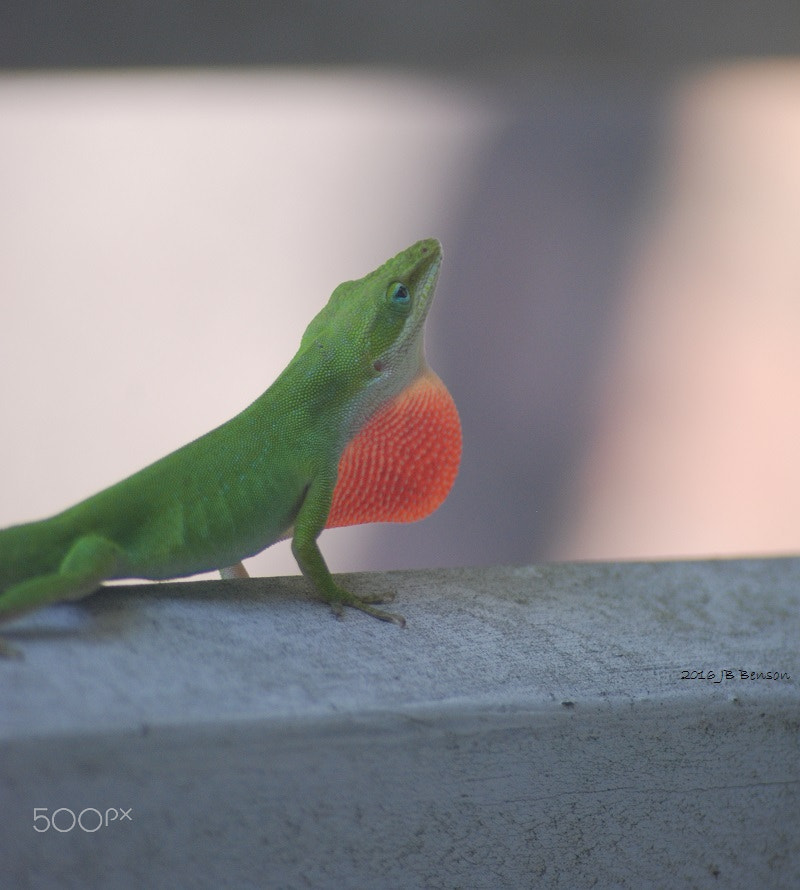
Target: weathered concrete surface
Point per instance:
(530, 727)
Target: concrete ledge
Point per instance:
(530, 727)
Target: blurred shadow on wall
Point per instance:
(528, 298)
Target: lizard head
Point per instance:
(368, 339)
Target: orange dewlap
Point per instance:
(402, 464)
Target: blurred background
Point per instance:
(616, 185)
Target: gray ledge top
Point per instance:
(481, 640)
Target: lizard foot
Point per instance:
(365, 604)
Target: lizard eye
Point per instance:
(398, 294)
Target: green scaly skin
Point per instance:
(267, 474)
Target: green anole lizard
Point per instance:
(356, 429)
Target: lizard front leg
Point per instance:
(308, 526)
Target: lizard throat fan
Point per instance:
(403, 462)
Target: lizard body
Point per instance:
(356, 429)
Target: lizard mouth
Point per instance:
(429, 264)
